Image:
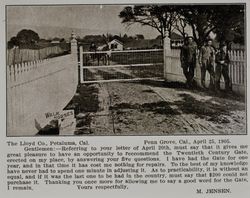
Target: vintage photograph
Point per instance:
(126, 70)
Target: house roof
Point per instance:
(117, 41)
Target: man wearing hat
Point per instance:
(207, 62)
(222, 67)
(188, 59)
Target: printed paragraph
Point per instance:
(85, 166)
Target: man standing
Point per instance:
(207, 62)
(93, 48)
(222, 67)
(188, 59)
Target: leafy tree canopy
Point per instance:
(159, 17)
(27, 37)
(226, 21)
(229, 23)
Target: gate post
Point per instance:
(73, 45)
(81, 64)
(167, 57)
(74, 58)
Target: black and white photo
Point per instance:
(150, 69)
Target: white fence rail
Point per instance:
(237, 69)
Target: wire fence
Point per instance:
(121, 65)
(119, 73)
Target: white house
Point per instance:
(115, 45)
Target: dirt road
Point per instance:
(157, 108)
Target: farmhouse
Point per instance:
(115, 45)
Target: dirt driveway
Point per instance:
(159, 108)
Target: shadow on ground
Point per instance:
(211, 109)
(214, 109)
(161, 107)
(195, 89)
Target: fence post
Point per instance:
(167, 56)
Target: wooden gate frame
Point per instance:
(82, 67)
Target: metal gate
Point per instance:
(102, 66)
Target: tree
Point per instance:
(239, 34)
(229, 23)
(199, 18)
(117, 37)
(97, 39)
(140, 36)
(180, 25)
(56, 39)
(62, 40)
(27, 37)
(223, 20)
(160, 17)
(13, 42)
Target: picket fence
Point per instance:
(16, 55)
(37, 87)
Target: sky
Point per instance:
(94, 17)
